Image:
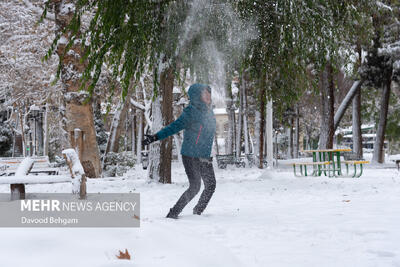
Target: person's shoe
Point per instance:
(172, 215)
(196, 212)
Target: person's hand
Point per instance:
(149, 139)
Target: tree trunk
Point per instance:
(379, 155)
(296, 134)
(231, 117)
(154, 151)
(139, 139)
(265, 133)
(357, 135)
(13, 145)
(276, 149)
(327, 108)
(39, 133)
(257, 122)
(46, 132)
(127, 122)
(133, 130)
(22, 131)
(245, 124)
(166, 91)
(79, 115)
(239, 125)
(139, 116)
(251, 143)
(270, 134)
(346, 102)
(262, 122)
(290, 150)
(117, 124)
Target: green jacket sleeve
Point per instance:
(178, 125)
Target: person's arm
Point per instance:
(178, 125)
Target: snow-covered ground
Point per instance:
(256, 218)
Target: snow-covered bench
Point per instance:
(8, 166)
(17, 183)
(224, 160)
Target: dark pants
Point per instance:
(197, 170)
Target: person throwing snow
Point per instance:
(199, 124)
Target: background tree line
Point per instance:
(311, 58)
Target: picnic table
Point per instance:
(328, 161)
(328, 155)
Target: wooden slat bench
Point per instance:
(33, 179)
(17, 183)
(8, 166)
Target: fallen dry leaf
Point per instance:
(124, 256)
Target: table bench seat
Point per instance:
(310, 163)
(317, 167)
(356, 162)
(327, 150)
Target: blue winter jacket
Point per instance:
(198, 122)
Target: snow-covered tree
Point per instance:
(26, 80)
(382, 64)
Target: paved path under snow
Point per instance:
(256, 218)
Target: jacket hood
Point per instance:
(194, 93)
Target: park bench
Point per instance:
(21, 178)
(224, 160)
(8, 166)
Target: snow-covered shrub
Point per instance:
(59, 161)
(5, 140)
(116, 164)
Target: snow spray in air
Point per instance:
(215, 37)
